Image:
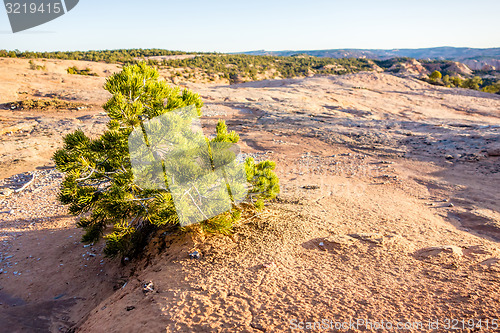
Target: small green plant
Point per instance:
(99, 184)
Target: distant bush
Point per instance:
(492, 88)
(456, 81)
(435, 76)
(86, 71)
(473, 83)
(36, 67)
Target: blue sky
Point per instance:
(230, 26)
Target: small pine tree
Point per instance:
(100, 187)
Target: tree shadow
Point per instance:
(49, 280)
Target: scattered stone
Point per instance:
(436, 251)
(130, 308)
(370, 237)
(310, 187)
(148, 287)
(491, 263)
(339, 240)
(494, 151)
(194, 255)
(449, 157)
(450, 205)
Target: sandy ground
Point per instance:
(389, 212)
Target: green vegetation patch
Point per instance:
(85, 71)
(475, 83)
(45, 104)
(109, 56)
(247, 67)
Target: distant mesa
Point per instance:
(474, 58)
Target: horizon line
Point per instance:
(264, 50)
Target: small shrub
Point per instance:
(85, 71)
(435, 77)
(474, 83)
(36, 67)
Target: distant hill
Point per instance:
(439, 53)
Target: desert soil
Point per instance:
(389, 212)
